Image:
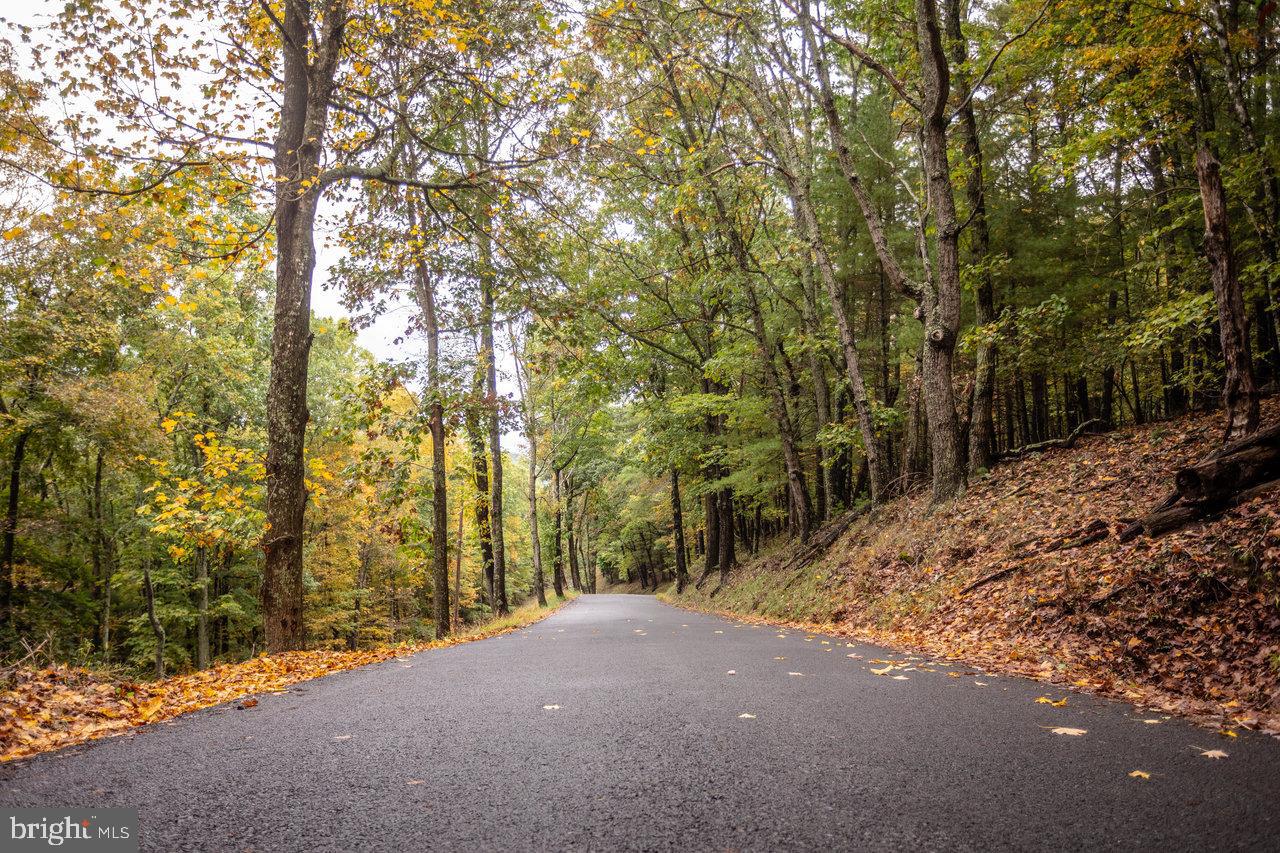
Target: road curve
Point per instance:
(617, 724)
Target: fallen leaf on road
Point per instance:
(795, 673)
(779, 658)
(1152, 722)
(416, 782)
(901, 677)
(1140, 774)
(1045, 700)
(342, 737)
(1064, 730)
(551, 707)
(885, 671)
(980, 683)
(248, 703)
(1212, 753)
(746, 716)
(1228, 733)
(732, 672)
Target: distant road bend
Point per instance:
(621, 723)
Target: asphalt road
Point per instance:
(617, 724)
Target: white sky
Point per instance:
(379, 337)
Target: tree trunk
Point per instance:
(727, 559)
(480, 469)
(557, 558)
(1240, 393)
(575, 577)
(797, 489)
(11, 521)
(425, 293)
(307, 87)
(156, 628)
(941, 304)
(677, 526)
(457, 571)
(201, 560)
(982, 412)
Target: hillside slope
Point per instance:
(1189, 622)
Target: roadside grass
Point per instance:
(51, 707)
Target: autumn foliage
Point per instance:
(58, 705)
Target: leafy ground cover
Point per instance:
(49, 707)
(1187, 623)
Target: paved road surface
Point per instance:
(615, 725)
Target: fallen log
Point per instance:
(1065, 443)
(1233, 474)
(1094, 531)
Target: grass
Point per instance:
(519, 617)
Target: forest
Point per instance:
(671, 284)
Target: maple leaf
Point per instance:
(1066, 730)
(1045, 700)
(1212, 753)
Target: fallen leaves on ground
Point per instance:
(1067, 730)
(1045, 700)
(1212, 753)
(1140, 774)
(43, 708)
(1186, 623)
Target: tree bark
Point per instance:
(557, 558)
(308, 82)
(677, 526)
(156, 627)
(201, 560)
(480, 471)
(1240, 392)
(982, 411)
(941, 304)
(11, 521)
(425, 293)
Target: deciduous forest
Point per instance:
(675, 289)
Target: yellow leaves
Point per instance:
(168, 425)
(1045, 700)
(1140, 774)
(14, 233)
(1067, 730)
(1228, 733)
(148, 710)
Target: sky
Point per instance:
(379, 338)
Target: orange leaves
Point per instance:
(58, 706)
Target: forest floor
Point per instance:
(50, 706)
(1188, 623)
